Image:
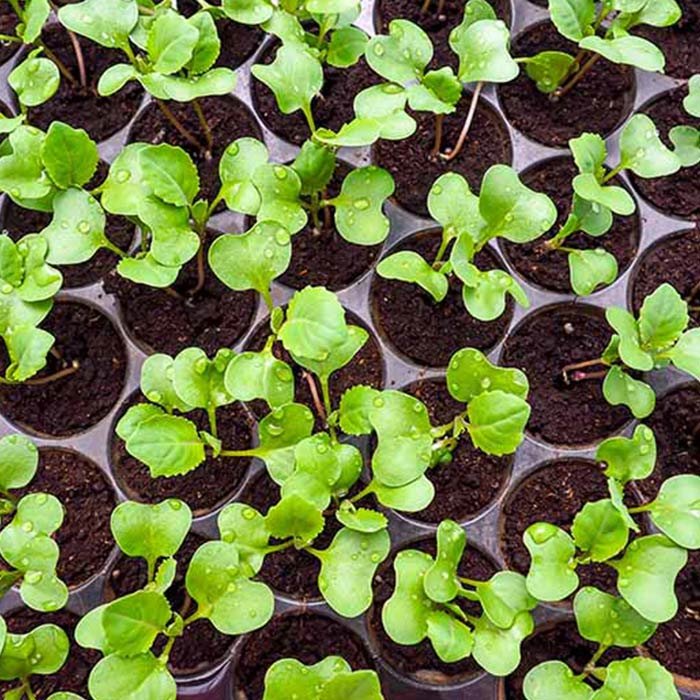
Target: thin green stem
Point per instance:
(365, 492)
(113, 248)
(470, 581)
(441, 251)
(280, 547)
(306, 109)
(163, 658)
(151, 565)
(240, 453)
(9, 38)
(206, 129)
(211, 414)
(613, 173)
(267, 296)
(16, 8)
(641, 509)
(454, 152)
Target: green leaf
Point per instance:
(663, 317)
(115, 78)
(353, 134)
(22, 173)
(168, 445)
(35, 80)
(551, 576)
(253, 259)
(452, 203)
(358, 208)
(315, 165)
(42, 651)
(132, 623)
(548, 69)
(157, 383)
(484, 293)
(355, 406)
(35, 15)
(346, 47)
(245, 528)
(171, 42)
(686, 143)
(28, 348)
(409, 266)
(497, 421)
(629, 50)
(199, 381)
(279, 187)
(239, 161)
(686, 353)
(260, 375)
(609, 620)
(69, 155)
(470, 374)
(385, 104)
(405, 614)
(553, 680)
(106, 22)
(497, 651)
(637, 679)
(451, 639)
(438, 92)
(409, 498)
(620, 388)
(643, 152)
(148, 270)
(248, 11)
(294, 517)
(613, 197)
(573, 18)
(483, 50)
(131, 678)
(600, 530)
(19, 459)
(589, 152)
(208, 45)
(360, 519)
(295, 77)
(630, 344)
(691, 102)
(348, 567)
(403, 55)
(647, 574)
(504, 596)
(676, 510)
(217, 81)
(171, 174)
(441, 582)
(151, 531)
(591, 269)
(629, 459)
(233, 604)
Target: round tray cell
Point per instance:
(550, 268)
(426, 332)
(204, 488)
(599, 103)
(678, 194)
(542, 345)
(183, 315)
(86, 340)
(82, 107)
(415, 167)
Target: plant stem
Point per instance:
(205, 126)
(79, 58)
(613, 173)
(437, 263)
(578, 76)
(10, 39)
(580, 365)
(179, 126)
(163, 658)
(439, 121)
(640, 509)
(328, 406)
(469, 581)
(200, 270)
(114, 249)
(211, 414)
(453, 153)
(28, 690)
(151, 569)
(425, 6)
(267, 296)
(596, 657)
(318, 403)
(306, 109)
(279, 547)
(365, 492)
(61, 374)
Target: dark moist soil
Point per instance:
(473, 479)
(324, 258)
(215, 317)
(598, 103)
(676, 644)
(238, 41)
(88, 499)
(541, 346)
(8, 24)
(73, 677)
(554, 493)
(427, 332)
(679, 43)
(413, 167)
(80, 107)
(558, 641)
(679, 194)
(420, 661)
(201, 646)
(676, 425)
(19, 222)
(367, 367)
(206, 486)
(74, 403)
(673, 259)
(306, 636)
(331, 109)
(228, 118)
(550, 268)
(437, 25)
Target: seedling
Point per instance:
(686, 139)
(40, 652)
(647, 566)
(657, 339)
(426, 604)
(601, 30)
(482, 43)
(173, 60)
(595, 201)
(26, 542)
(504, 208)
(328, 679)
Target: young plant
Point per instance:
(601, 30)
(40, 652)
(125, 630)
(170, 56)
(426, 603)
(290, 194)
(647, 566)
(657, 339)
(329, 679)
(482, 43)
(504, 208)
(686, 139)
(595, 201)
(26, 542)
